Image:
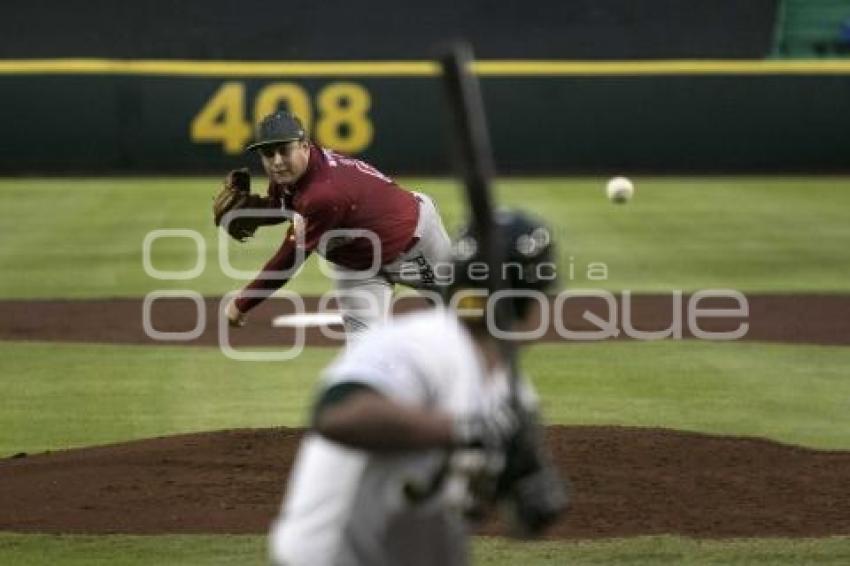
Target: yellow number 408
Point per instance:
(343, 122)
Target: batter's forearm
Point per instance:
(369, 421)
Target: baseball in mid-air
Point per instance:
(619, 190)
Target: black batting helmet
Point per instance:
(526, 257)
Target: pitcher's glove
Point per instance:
(236, 195)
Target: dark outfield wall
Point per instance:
(119, 119)
(386, 29)
(540, 124)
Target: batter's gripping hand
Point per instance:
(236, 195)
(492, 430)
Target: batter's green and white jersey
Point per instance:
(347, 507)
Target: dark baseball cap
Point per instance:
(280, 127)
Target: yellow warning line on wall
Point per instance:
(485, 68)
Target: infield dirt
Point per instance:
(626, 481)
(812, 319)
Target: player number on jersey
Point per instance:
(342, 121)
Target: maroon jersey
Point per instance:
(338, 192)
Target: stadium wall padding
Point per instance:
(124, 123)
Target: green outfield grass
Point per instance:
(796, 394)
(32, 550)
(83, 237)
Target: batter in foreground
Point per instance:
(416, 431)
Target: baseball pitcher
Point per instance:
(374, 232)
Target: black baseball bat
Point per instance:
(545, 495)
(474, 161)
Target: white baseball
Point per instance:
(619, 190)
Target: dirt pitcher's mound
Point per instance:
(627, 481)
